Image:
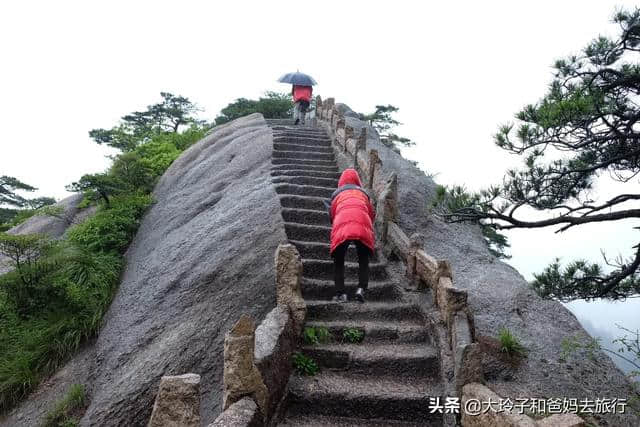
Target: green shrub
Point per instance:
(509, 344)
(112, 228)
(353, 335)
(61, 415)
(305, 365)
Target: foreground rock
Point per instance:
(203, 256)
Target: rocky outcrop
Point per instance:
(52, 226)
(201, 257)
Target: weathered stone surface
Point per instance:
(449, 299)
(177, 402)
(243, 413)
(426, 270)
(490, 418)
(561, 420)
(361, 162)
(241, 375)
(200, 258)
(274, 344)
(288, 277)
(467, 365)
(374, 163)
(398, 240)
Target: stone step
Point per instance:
(305, 173)
(318, 289)
(416, 360)
(302, 155)
(303, 202)
(300, 162)
(306, 216)
(281, 146)
(304, 190)
(389, 310)
(307, 233)
(378, 331)
(319, 250)
(327, 421)
(308, 141)
(323, 269)
(308, 180)
(308, 168)
(300, 131)
(333, 394)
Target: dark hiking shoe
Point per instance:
(360, 295)
(340, 298)
(297, 121)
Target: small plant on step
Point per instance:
(304, 365)
(353, 335)
(509, 344)
(316, 335)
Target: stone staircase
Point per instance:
(388, 378)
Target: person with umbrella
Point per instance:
(301, 91)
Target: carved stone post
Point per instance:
(319, 107)
(177, 402)
(415, 244)
(288, 277)
(387, 209)
(374, 164)
(241, 376)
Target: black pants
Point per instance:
(363, 264)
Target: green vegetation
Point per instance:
(383, 122)
(353, 335)
(584, 127)
(10, 217)
(54, 298)
(509, 344)
(63, 413)
(272, 105)
(305, 365)
(316, 335)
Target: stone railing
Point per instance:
(422, 269)
(257, 361)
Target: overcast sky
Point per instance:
(456, 69)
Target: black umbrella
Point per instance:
(298, 79)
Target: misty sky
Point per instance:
(456, 69)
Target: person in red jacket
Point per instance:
(301, 99)
(352, 216)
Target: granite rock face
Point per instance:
(202, 256)
(499, 296)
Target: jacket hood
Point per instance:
(349, 176)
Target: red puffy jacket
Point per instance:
(302, 93)
(351, 212)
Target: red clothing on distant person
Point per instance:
(302, 93)
(351, 213)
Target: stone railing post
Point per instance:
(387, 209)
(319, 107)
(241, 376)
(361, 144)
(374, 164)
(415, 244)
(177, 402)
(288, 290)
